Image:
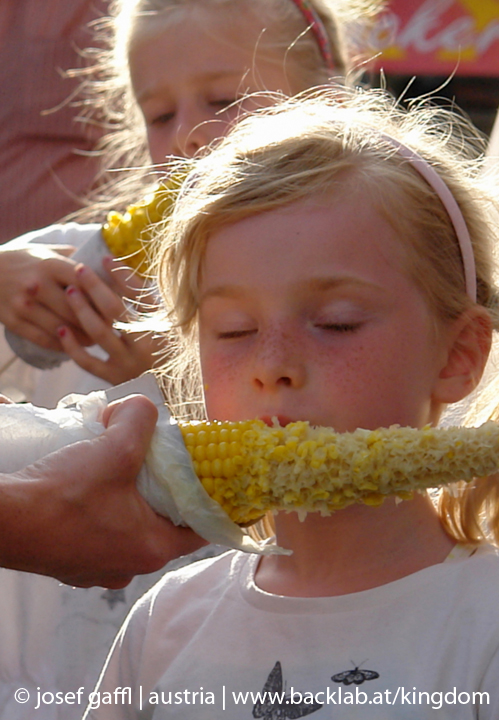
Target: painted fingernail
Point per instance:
(80, 270)
(62, 331)
(71, 290)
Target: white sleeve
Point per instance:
(122, 669)
(70, 233)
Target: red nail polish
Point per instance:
(70, 290)
(62, 331)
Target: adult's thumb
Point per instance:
(130, 423)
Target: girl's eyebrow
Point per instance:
(205, 77)
(222, 73)
(222, 291)
(324, 284)
(314, 284)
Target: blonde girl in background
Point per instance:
(331, 262)
(162, 99)
(173, 80)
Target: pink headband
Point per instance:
(453, 210)
(317, 26)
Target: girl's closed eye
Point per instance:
(224, 103)
(343, 318)
(156, 113)
(225, 324)
(235, 334)
(340, 327)
(162, 119)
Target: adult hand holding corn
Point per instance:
(76, 514)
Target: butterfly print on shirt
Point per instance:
(276, 705)
(356, 676)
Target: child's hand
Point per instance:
(33, 303)
(77, 514)
(127, 283)
(97, 307)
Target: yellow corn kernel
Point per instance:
(205, 469)
(129, 236)
(199, 453)
(250, 468)
(208, 485)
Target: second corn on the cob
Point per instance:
(250, 468)
(128, 235)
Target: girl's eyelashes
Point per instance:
(218, 105)
(342, 317)
(223, 102)
(229, 105)
(162, 119)
(234, 334)
(340, 327)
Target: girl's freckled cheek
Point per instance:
(341, 369)
(219, 381)
(349, 379)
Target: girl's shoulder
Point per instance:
(195, 574)
(463, 551)
(475, 564)
(469, 576)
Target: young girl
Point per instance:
(176, 66)
(333, 260)
(162, 99)
(159, 97)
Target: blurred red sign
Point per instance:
(439, 37)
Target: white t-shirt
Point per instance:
(206, 637)
(55, 639)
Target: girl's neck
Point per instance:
(355, 549)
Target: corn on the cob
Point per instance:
(250, 468)
(127, 235)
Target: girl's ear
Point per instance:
(468, 348)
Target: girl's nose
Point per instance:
(188, 139)
(278, 364)
(194, 131)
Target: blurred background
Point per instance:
(449, 48)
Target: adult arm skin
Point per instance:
(76, 514)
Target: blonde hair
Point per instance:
(107, 89)
(330, 141)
